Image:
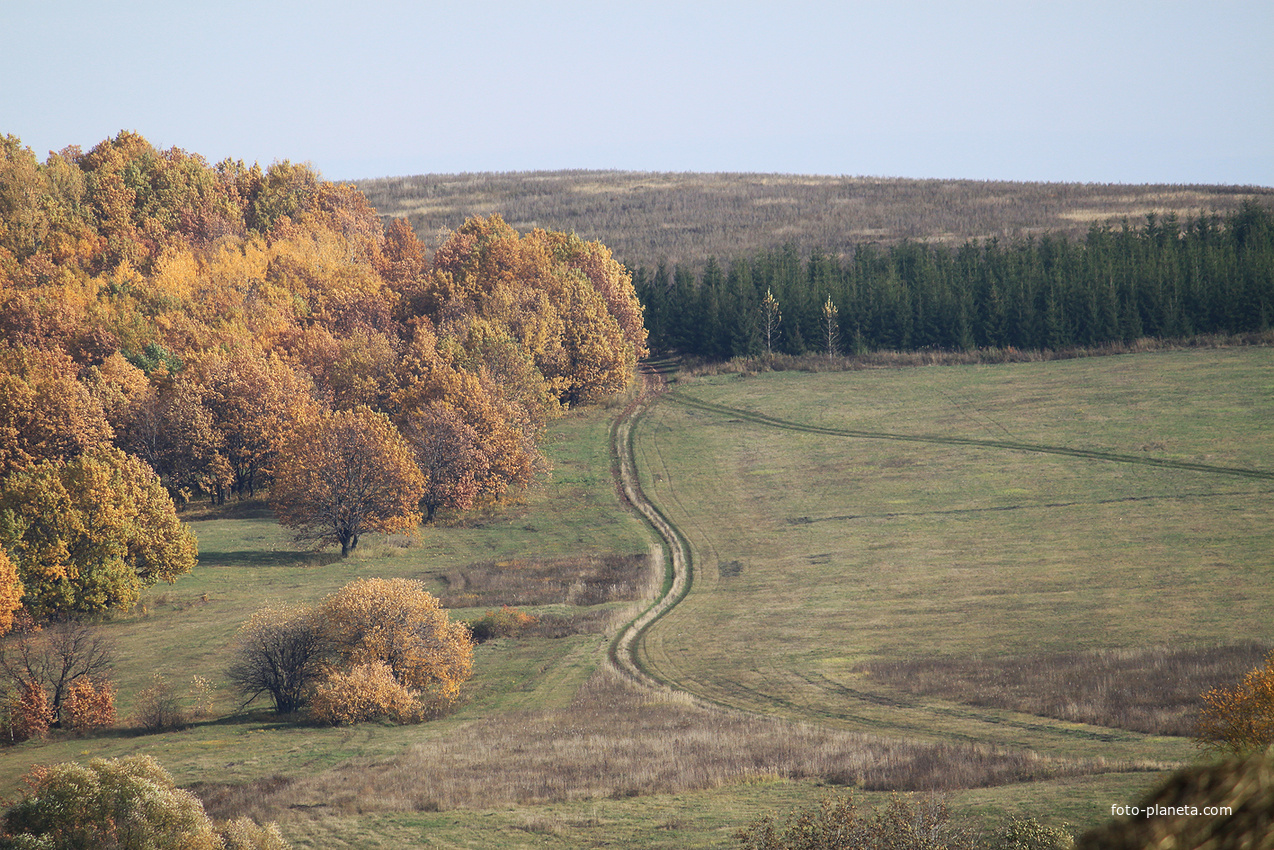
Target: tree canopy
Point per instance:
(200, 317)
(346, 474)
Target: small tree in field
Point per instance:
(89, 706)
(1240, 719)
(54, 657)
(365, 692)
(375, 648)
(396, 622)
(280, 652)
(345, 474)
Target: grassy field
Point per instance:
(819, 555)
(816, 555)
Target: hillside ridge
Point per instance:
(685, 217)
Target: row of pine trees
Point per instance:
(1167, 278)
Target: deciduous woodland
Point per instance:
(174, 330)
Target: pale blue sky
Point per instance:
(1109, 91)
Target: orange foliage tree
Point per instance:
(1240, 719)
(89, 705)
(344, 474)
(191, 314)
(450, 456)
(10, 591)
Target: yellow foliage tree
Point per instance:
(1240, 719)
(89, 534)
(397, 623)
(10, 591)
(566, 301)
(364, 692)
(45, 412)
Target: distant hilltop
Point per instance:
(647, 218)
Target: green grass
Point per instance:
(247, 561)
(843, 550)
(836, 550)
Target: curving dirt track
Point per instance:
(673, 552)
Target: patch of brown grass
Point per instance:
(1153, 690)
(618, 739)
(582, 581)
(749, 366)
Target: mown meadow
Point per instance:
(836, 580)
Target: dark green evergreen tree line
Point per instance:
(1168, 278)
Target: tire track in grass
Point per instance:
(958, 723)
(674, 549)
(1003, 445)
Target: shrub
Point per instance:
(158, 707)
(1030, 834)
(117, 804)
(280, 652)
(200, 697)
(54, 656)
(904, 823)
(27, 712)
(366, 692)
(247, 834)
(89, 706)
(507, 622)
(1240, 719)
(396, 622)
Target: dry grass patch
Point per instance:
(584, 580)
(1153, 690)
(618, 740)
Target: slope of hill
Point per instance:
(647, 218)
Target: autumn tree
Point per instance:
(1240, 719)
(567, 302)
(344, 474)
(89, 705)
(56, 657)
(250, 397)
(88, 534)
(396, 622)
(831, 326)
(281, 652)
(432, 379)
(364, 692)
(449, 454)
(45, 412)
(120, 804)
(170, 427)
(10, 591)
(771, 317)
(375, 648)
